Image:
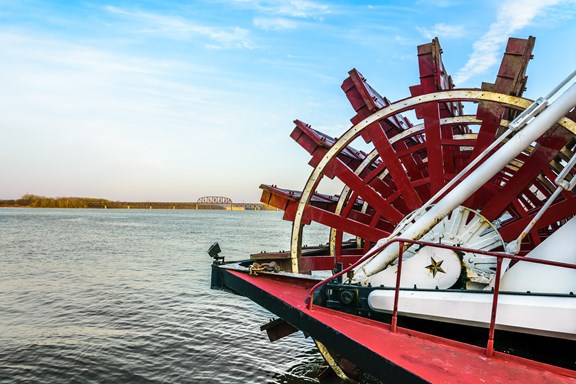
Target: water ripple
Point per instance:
(94, 296)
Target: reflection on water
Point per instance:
(92, 296)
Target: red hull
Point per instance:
(419, 357)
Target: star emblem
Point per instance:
(435, 267)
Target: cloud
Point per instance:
(179, 28)
(513, 15)
(291, 8)
(101, 118)
(442, 30)
(437, 3)
(302, 8)
(274, 24)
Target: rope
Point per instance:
(256, 268)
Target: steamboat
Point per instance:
(451, 255)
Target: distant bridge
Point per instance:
(221, 202)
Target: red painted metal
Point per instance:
(490, 346)
(324, 263)
(394, 322)
(434, 77)
(556, 213)
(366, 192)
(397, 171)
(525, 177)
(432, 358)
(408, 168)
(511, 80)
(347, 225)
(317, 144)
(499, 255)
(433, 146)
(365, 100)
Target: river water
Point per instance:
(122, 296)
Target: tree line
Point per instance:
(35, 201)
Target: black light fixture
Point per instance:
(214, 252)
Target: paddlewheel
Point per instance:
(413, 148)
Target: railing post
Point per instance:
(394, 322)
(490, 346)
(401, 241)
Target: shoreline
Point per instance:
(35, 201)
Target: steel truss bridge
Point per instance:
(219, 200)
(222, 202)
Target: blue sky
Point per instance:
(173, 100)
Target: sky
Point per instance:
(173, 100)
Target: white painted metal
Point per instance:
(553, 316)
(491, 166)
(463, 227)
(429, 268)
(540, 278)
(420, 211)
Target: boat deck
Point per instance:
(405, 356)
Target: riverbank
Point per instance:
(34, 201)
